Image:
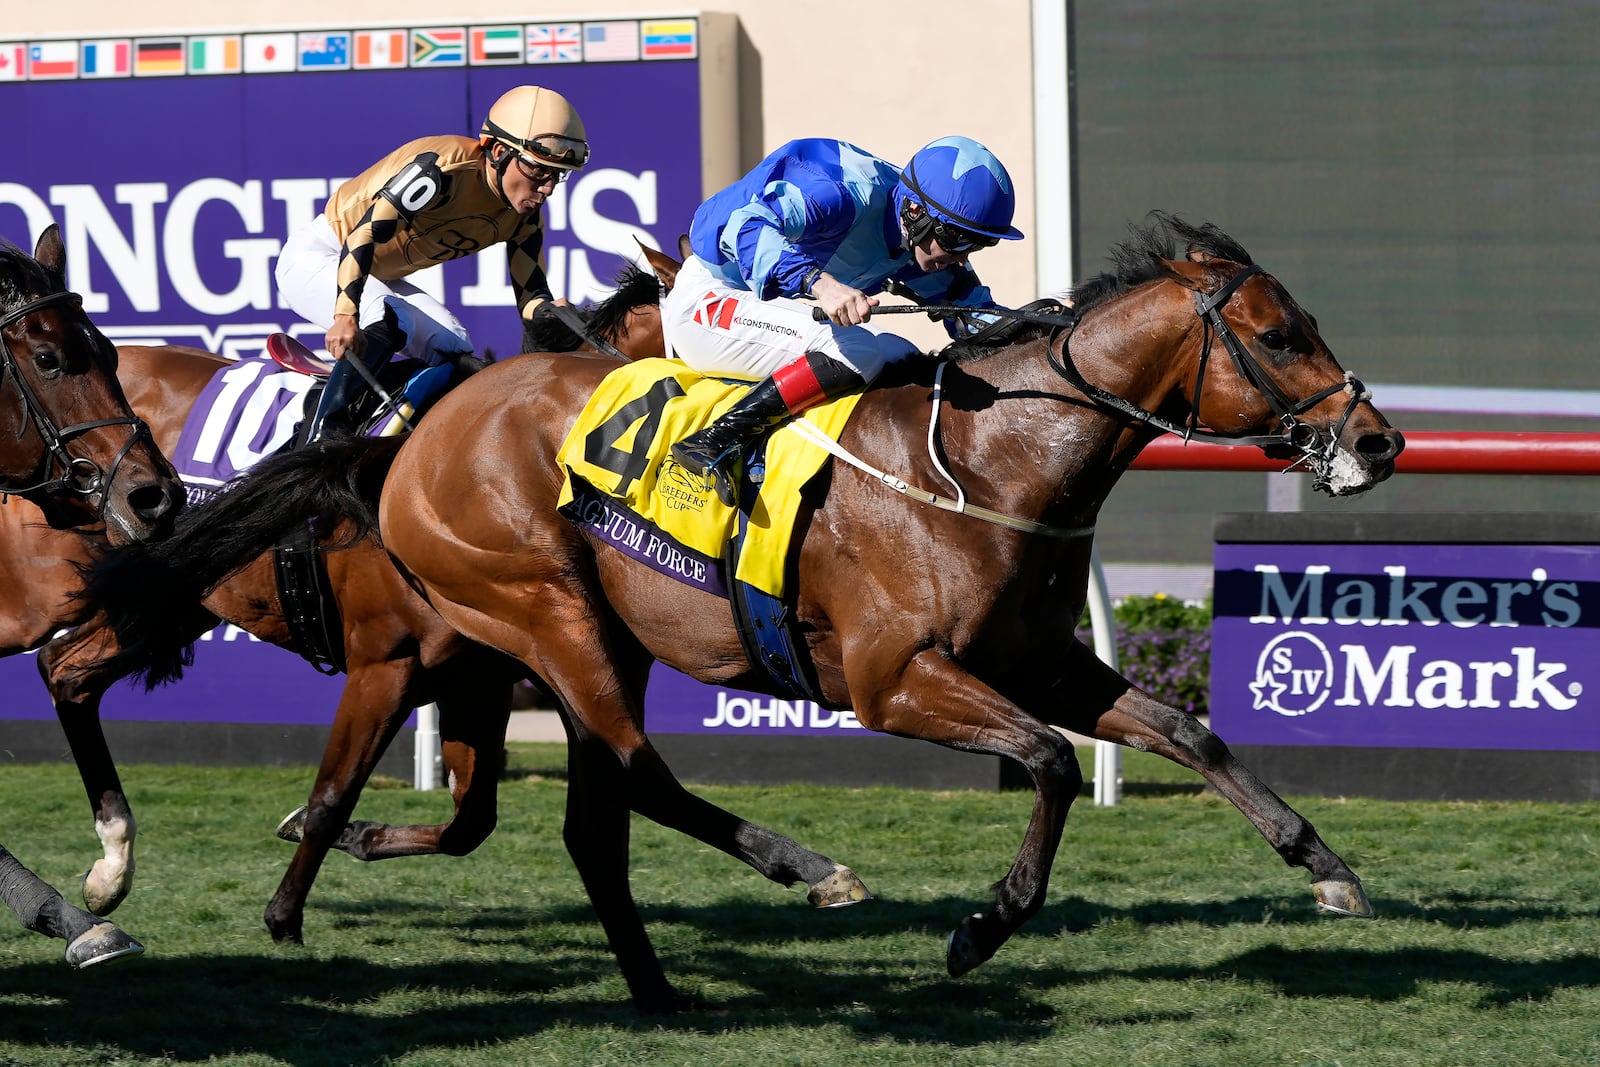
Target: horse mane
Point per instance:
(1134, 260)
(635, 288)
(22, 276)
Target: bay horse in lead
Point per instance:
(71, 447)
(928, 623)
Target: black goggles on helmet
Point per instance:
(538, 174)
(955, 240)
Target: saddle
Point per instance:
(623, 486)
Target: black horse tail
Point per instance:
(146, 592)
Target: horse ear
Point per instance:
(665, 266)
(50, 252)
(1189, 274)
(684, 250)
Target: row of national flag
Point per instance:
(388, 49)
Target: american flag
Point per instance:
(559, 42)
(610, 41)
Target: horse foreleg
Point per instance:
(940, 702)
(41, 909)
(1108, 707)
(659, 796)
(69, 665)
(371, 710)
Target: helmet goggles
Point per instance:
(538, 174)
(955, 240)
(555, 149)
(542, 153)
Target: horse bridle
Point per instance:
(1317, 447)
(79, 475)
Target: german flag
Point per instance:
(161, 56)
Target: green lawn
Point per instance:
(1173, 935)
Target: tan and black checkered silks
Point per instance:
(427, 202)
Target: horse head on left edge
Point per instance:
(69, 443)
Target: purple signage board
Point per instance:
(176, 167)
(176, 175)
(238, 679)
(677, 704)
(1467, 646)
(235, 679)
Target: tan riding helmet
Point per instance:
(539, 125)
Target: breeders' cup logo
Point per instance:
(1294, 675)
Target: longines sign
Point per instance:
(1487, 646)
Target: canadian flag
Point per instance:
(13, 62)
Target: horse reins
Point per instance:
(574, 322)
(81, 476)
(1306, 438)
(1299, 435)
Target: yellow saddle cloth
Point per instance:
(621, 447)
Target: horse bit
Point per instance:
(81, 476)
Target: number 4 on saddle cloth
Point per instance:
(623, 485)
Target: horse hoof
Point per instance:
(101, 895)
(839, 889)
(1343, 898)
(101, 943)
(293, 826)
(961, 951)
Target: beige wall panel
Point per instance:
(887, 76)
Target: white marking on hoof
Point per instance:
(1343, 898)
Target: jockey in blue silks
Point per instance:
(823, 219)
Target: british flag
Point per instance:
(555, 42)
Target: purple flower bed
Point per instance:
(1164, 648)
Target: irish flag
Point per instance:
(215, 55)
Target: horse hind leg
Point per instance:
(1119, 712)
(473, 732)
(660, 797)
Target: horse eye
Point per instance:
(1276, 340)
(49, 362)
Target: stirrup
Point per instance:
(724, 480)
(717, 474)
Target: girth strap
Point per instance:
(305, 594)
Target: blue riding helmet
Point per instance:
(966, 194)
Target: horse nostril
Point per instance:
(152, 502)
(1380, 447)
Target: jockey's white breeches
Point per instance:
(308, 277)
(717, 329)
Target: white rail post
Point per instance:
(1107, 756)
(425, 753)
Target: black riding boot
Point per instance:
(715, 450)
(345, 384)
